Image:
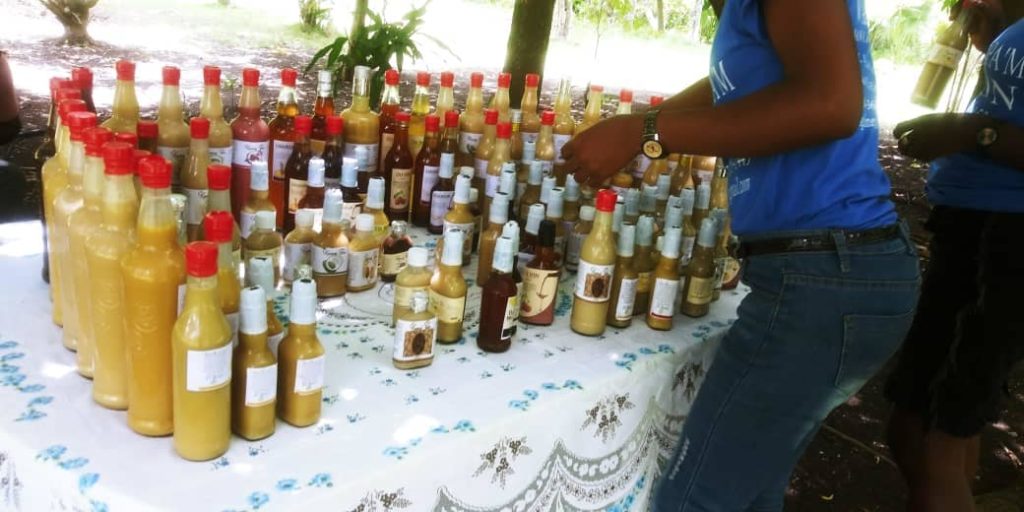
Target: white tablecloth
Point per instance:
(559, 421)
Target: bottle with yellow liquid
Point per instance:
(596, 270)
(460, 218)
(125, 111)
(201, 361)
(700, 282)
(643, 263)
(482, 157)
(415, 277)
(592, 114)
(571, 206)
(545, 152)
(259, 199)
(689, 236)
(415, 334)
(445, 99)
(330, 250)
(363, 256)
(362, 126)
(218, 179)
(448, 289)
(173, 135)
(253, 372)
(260, 272)
(501, 154)
(298, 245)
(212, 108)
(265, 242)
(702, 204)
(529, 127)
(496, 221)
(193, 179)
(666, 283)
(420, 109)
(501, 101)
(218, 225)
(153, 271)
(564, 126)
(301, 361)
(375, 206)
(471, 123)
(623, 296)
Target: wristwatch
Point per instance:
(652, 147)
(985, 138)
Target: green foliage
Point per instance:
(903, 37)
(708, 23)
(315, 15)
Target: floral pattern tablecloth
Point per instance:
(559, 422)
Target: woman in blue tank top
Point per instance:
(789, 103)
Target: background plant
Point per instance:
(315, 15)
(904, 37)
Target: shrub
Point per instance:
(315, 15)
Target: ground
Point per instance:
(846, 468)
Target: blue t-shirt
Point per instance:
(966, 180)
(839, 184)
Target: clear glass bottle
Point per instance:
(330, 251)
(282, 141)
(218, 225)
(415, 277)
(448, 288)
(415, 334)
(666, 283)
(531, 194)
(596, 271)
(394, 251)
(945, 55)
(362, 126)
(253, 371)
(322, 107)
(301, 358)
(125, 112)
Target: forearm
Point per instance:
(697, 95)
(1009, 148)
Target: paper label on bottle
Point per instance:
(309, 375)
(492, 185)
(296, 191)
(349, 211)
(414, 339)
(466, 229)
(275, 341)
(282, 150)
(221, 155)
(547, 168)
(430, 173)
(260, 385)
(945, 56)
(295, 255)
(480, 165)
(392, 264)
(540, 289)
(701, 290)
(529, 137)
(401, 187)
(403, 294)
(716, 282)
(207, 370)
(663, 297)
(468, 142)
(363, 267)
(330, 260)
(181, 297)
(508, 324)
(447, 310)
(559, 142)
(644, 281)
(177, 157)
(371, 152)
(594, 282)
(246, 223)
(440, 203)
(686, 251)
(575, 242)
(627, 297)
(195, 205)
(387, 140)
(244, 152)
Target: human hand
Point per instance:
(603, 149)
(935, 135)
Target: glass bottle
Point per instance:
(511, 231)
(501, 101)
(313, 199)
(545, 153)
(201, 362)
(363, 256)
(54, 179)
(460, 219)
(218, 226)
(702, 203)
(334, 152)
(666, 283)
(564, 125)
(250, 140)
(420, 109)
(265, 242)
(173, 134)
(297, 169)
(125, 111)
(571, 204)
(351, 201)
(701, 273)
(83, 80)
(579, 234)
(322, 107)
(148, 132)
(258, 200)
(448, 287)
(212, 108)
(390, 104)
(446, 99)
(721, 217)
(553, 212)
(398, 171)
(482, 157)
(428, 163)
(632, 202)
(415, 334)
(625, 103)
(643, 263)
(254, 371)
(440, 195)
(193, 179)
(501, 153)
(375, 206)
(686, 201)
(362, 126)
(703, 169)
(596, 270)
(507, 185)
(414, 278)
(260, 272)
(945, 55)
(496, 221)
(282, 141)
(478, 219)
(298, 245)
(623, 297)
(681, 178)
(499, 302)
(592, 113)
(529, 127)
(540, 280)
(218, 177)
(301, 358)
(471, 123)
(394, 251)
(330, 251)
(531, 194)
(528, 246)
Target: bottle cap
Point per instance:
(260, 272)
(303, 124)
(572, 188)
(78, 122)
(461, 190)
(664, 180)
(364, 222)
(218, 177)
(211, 76)
(201, 259)
(547, 233)
(375, 193)
(259, 176)
(418, 302)
(452, 255)
(171, 75)
(332, 206)
(547, 118)
(534, 218)
(674, 216)
(499, 209)
(511, 230)
(491, 116)
(266, 219)
(418, 257)
(503, 255)
(423, 79)
(532, 80)
(303, 306)
(67, 106)
(505, 130)
(57, 83)
(447, 79)
(648, 197)
(432, 123)
(155, 172)
(139, 154)
(253, 311)
(686, 200)
(127, 137)
(451, 118)
(703, 196)
(605, 201)
(288, 76)
(644, 230)
(335, 124)
(467, 171)
(708, 233)
(476, 80)
(632, 202)
(304, 217)
(349, 173)
(403, 117)
(508, 179)
(125, 70)
(546, 185)
(82, 76)
(118, 158)
(147, 129)
(660, 243)
(391, 77)
(536, 176)
(555, 202)
(315, 178)
(217, 226)
(70, 92)
(95, 138)
(504, 80)
(587, 213)
(657, 100)
(199, 128)
(670, 246)
(625, 96)
(597, 88)
(250, 77)
(529, 152)
(673, 201)
(627, 237)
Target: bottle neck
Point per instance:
(287, 101)
(202, 291)
(170, 104)
(360, 104)
(402, 135)
(76, 164)
(421, 101)
(529, 101)
(219, 200)
(546, 133)
(126, 105)
(211, 107)
(249, 103)
(158, 225)
(390, 96)
(225, 257)
(120, 204)
(603, 223)
(475, 101)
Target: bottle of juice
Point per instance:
(47, 147)
(428, 163)
(579, 234)
(390, 104)
(218, 178)
(681, 178)
(212, 108)
(540, 280)
(323, 107)
(485, 149)
(313, 199)
(415, 334)
(529, 128)
(499, 302)
(412, 279)
(375, 206)
(448, 288)
(446, 99)
(620, 311)
(501, 101)
(703, 169)
(298, 245)
(508, 186)
(201, 362)
(666, 283)
(194, 178)
(173, 134)
(643, 263)
(282, 140)
(301, 359)
(497, 218)
(260, 272)
(363, 256)
(330, 251)
(944, 57)
(265, 242)
(511, 231)
(104, 250)
(351, 201)
(398, 171)
(528, 247)
(125, 112)
(251, 140)
(460, 219)
(253, 371)
(297, 169)
(565, 125)
(501, 153)
(596, 271)
(531, 194)
(420, 109)
(258, 200)
(545, 153)
(702, 203)
(83, 80)
(218, 225)
(516, 141)
(592, 113)
(362, 126)
(153, 272)
(440, 194)
(471, 123)
(701, 272)
(394, 252)
(334, 152)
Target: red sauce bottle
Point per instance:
(428, 161)
(398, 170)
(251, 139)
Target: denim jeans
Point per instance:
(814, 328)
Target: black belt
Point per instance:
(823, 242)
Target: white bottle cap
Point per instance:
(332, 206)
(534, 217)
(673, 201)
(418, 302)
(349, 172)
(467, 171)
(536, 173)
(303, 306)
(259, 177)
(708, 233)
(703, 196)
(670, 249)
(572, 188)
(511, 230)
(508, 179)
(259, 271)
(686, 200)
(587, 213)
(645, 230)
(674, 217)
(664, 180)
(555, 203)
(545, 188)
(375, 193)
(324, 78)
(452, 255)
(648, 197)
(499, 209)
(316, 172)
(503, 255)
(461, 190)
(418, 257)
(266, 219)
(627, 236)
(632, 202)
(253, 311)
(364, 222)
(660, 243)
(304, 217)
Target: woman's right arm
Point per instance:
(697, 95)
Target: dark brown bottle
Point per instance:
(334, 152)
(442, 193)
(398, 167)
(540, 281)
(297, 170)
(428, 163)
(499, 302)
(314, 198)
(395, 251)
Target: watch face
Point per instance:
(987, 136)
(653, 149)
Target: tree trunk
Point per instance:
(77, 34)
(73, 15)
(358, 19)
(661, 15)
(564, 18)
(528, 42)
(698, 10)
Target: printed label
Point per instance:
(430, 173)
(627, 297)
(639, 165)
(295, 255)
(207, 370)
(540, 289)
(492, 185)
(281, 150)
(663, 298)
(392, 264)
(330, 260)
(371, 152)
(221, 155)
(401, 185)
(440, 202)
(246, 223)
(480, 165)
(178, 158)
(309, 375)
(446, 309)
(414, 340)
(945, 56)
(386, 141)
(296, 191)
(363, 267)
(244, 153)
(508, 324)
(701, 289)
(260, 385)
(466, 229)
(195, 205)
(559, 142)
(468, 142)
(403, 294)
(594, 282)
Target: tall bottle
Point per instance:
(394, 251)
(313, 198)
(460, 218)
(218, 226)
(471, 123)
(363, 256)
(298, 245)
(334, 152)
(415, 334)
(260, 272)
(362, 126)
(54, 180)
(390, 104)
(623, 295)
(253, 371)
(201, 362)
(442, 194)
(212, 108)
(297, 169)
(701, 274)
(666, 283)
(497, 218)
(485, 150)
(579, 234)
(448, 288)
(540, 280)
(945, 55)
(546, 151)
(689, 232)
(104, 250)
(501, 153)
(173, 134)
(330, 250)
(193, 179)
(499, 302)
(446, 99)
(426, 171)
(148, 132)
(265, 242)
(643, 263)
(702, 203)
(592, 113)
(420, 109)
(398, 171)
(153, 272)
(564, 127)
(282, 141)
(83, 80)
(528, 247)
(415, 277)
(251, 140)
(351, 201)
(125, 111)
(596, 270)
(501, 101)
(529, 128)
(323, 107)
(531, 194)
(375, 206)
(553, 212)
(258, 200)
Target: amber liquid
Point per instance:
(398, 178)
(251, 422)
(393, 246)
(297, 171)
(282, 132)
(300, 410)
(429, 158)
(494, 300)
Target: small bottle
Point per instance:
(330, 251)
(314, 197)
(442, 193)
(413, 278)
(448, 289)
(212, 108)
(532, 192)
(363, 256)
(394, 251)
(700, 285)
(620, 311)
(643, 263)
(218, 230)
(398, 169)
(571, 206)
(260, 272)
(528, 245)
(265, 242)
(415, 334)
(632, 205)
(579, 233)
(686, 201)
(258, 200)
(596, 270)
(334, 153)
(460, 219)
(375, 206)
(297, 169)
(253, 371)
(482, 157)
(298, 245)
(666, 283)
(426, 172)
(301, 359)
(351, 201)
(540, 280)
(499, 302)
(565, 125)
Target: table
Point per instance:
(560, 421)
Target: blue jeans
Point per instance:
(814, 328)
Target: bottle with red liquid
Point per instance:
(282, 140)
(398, 167)
(390, 104)
(427, 164)
(297, 169)
(323, 107)
(251, 139)
(334, 152)
(148, 133)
